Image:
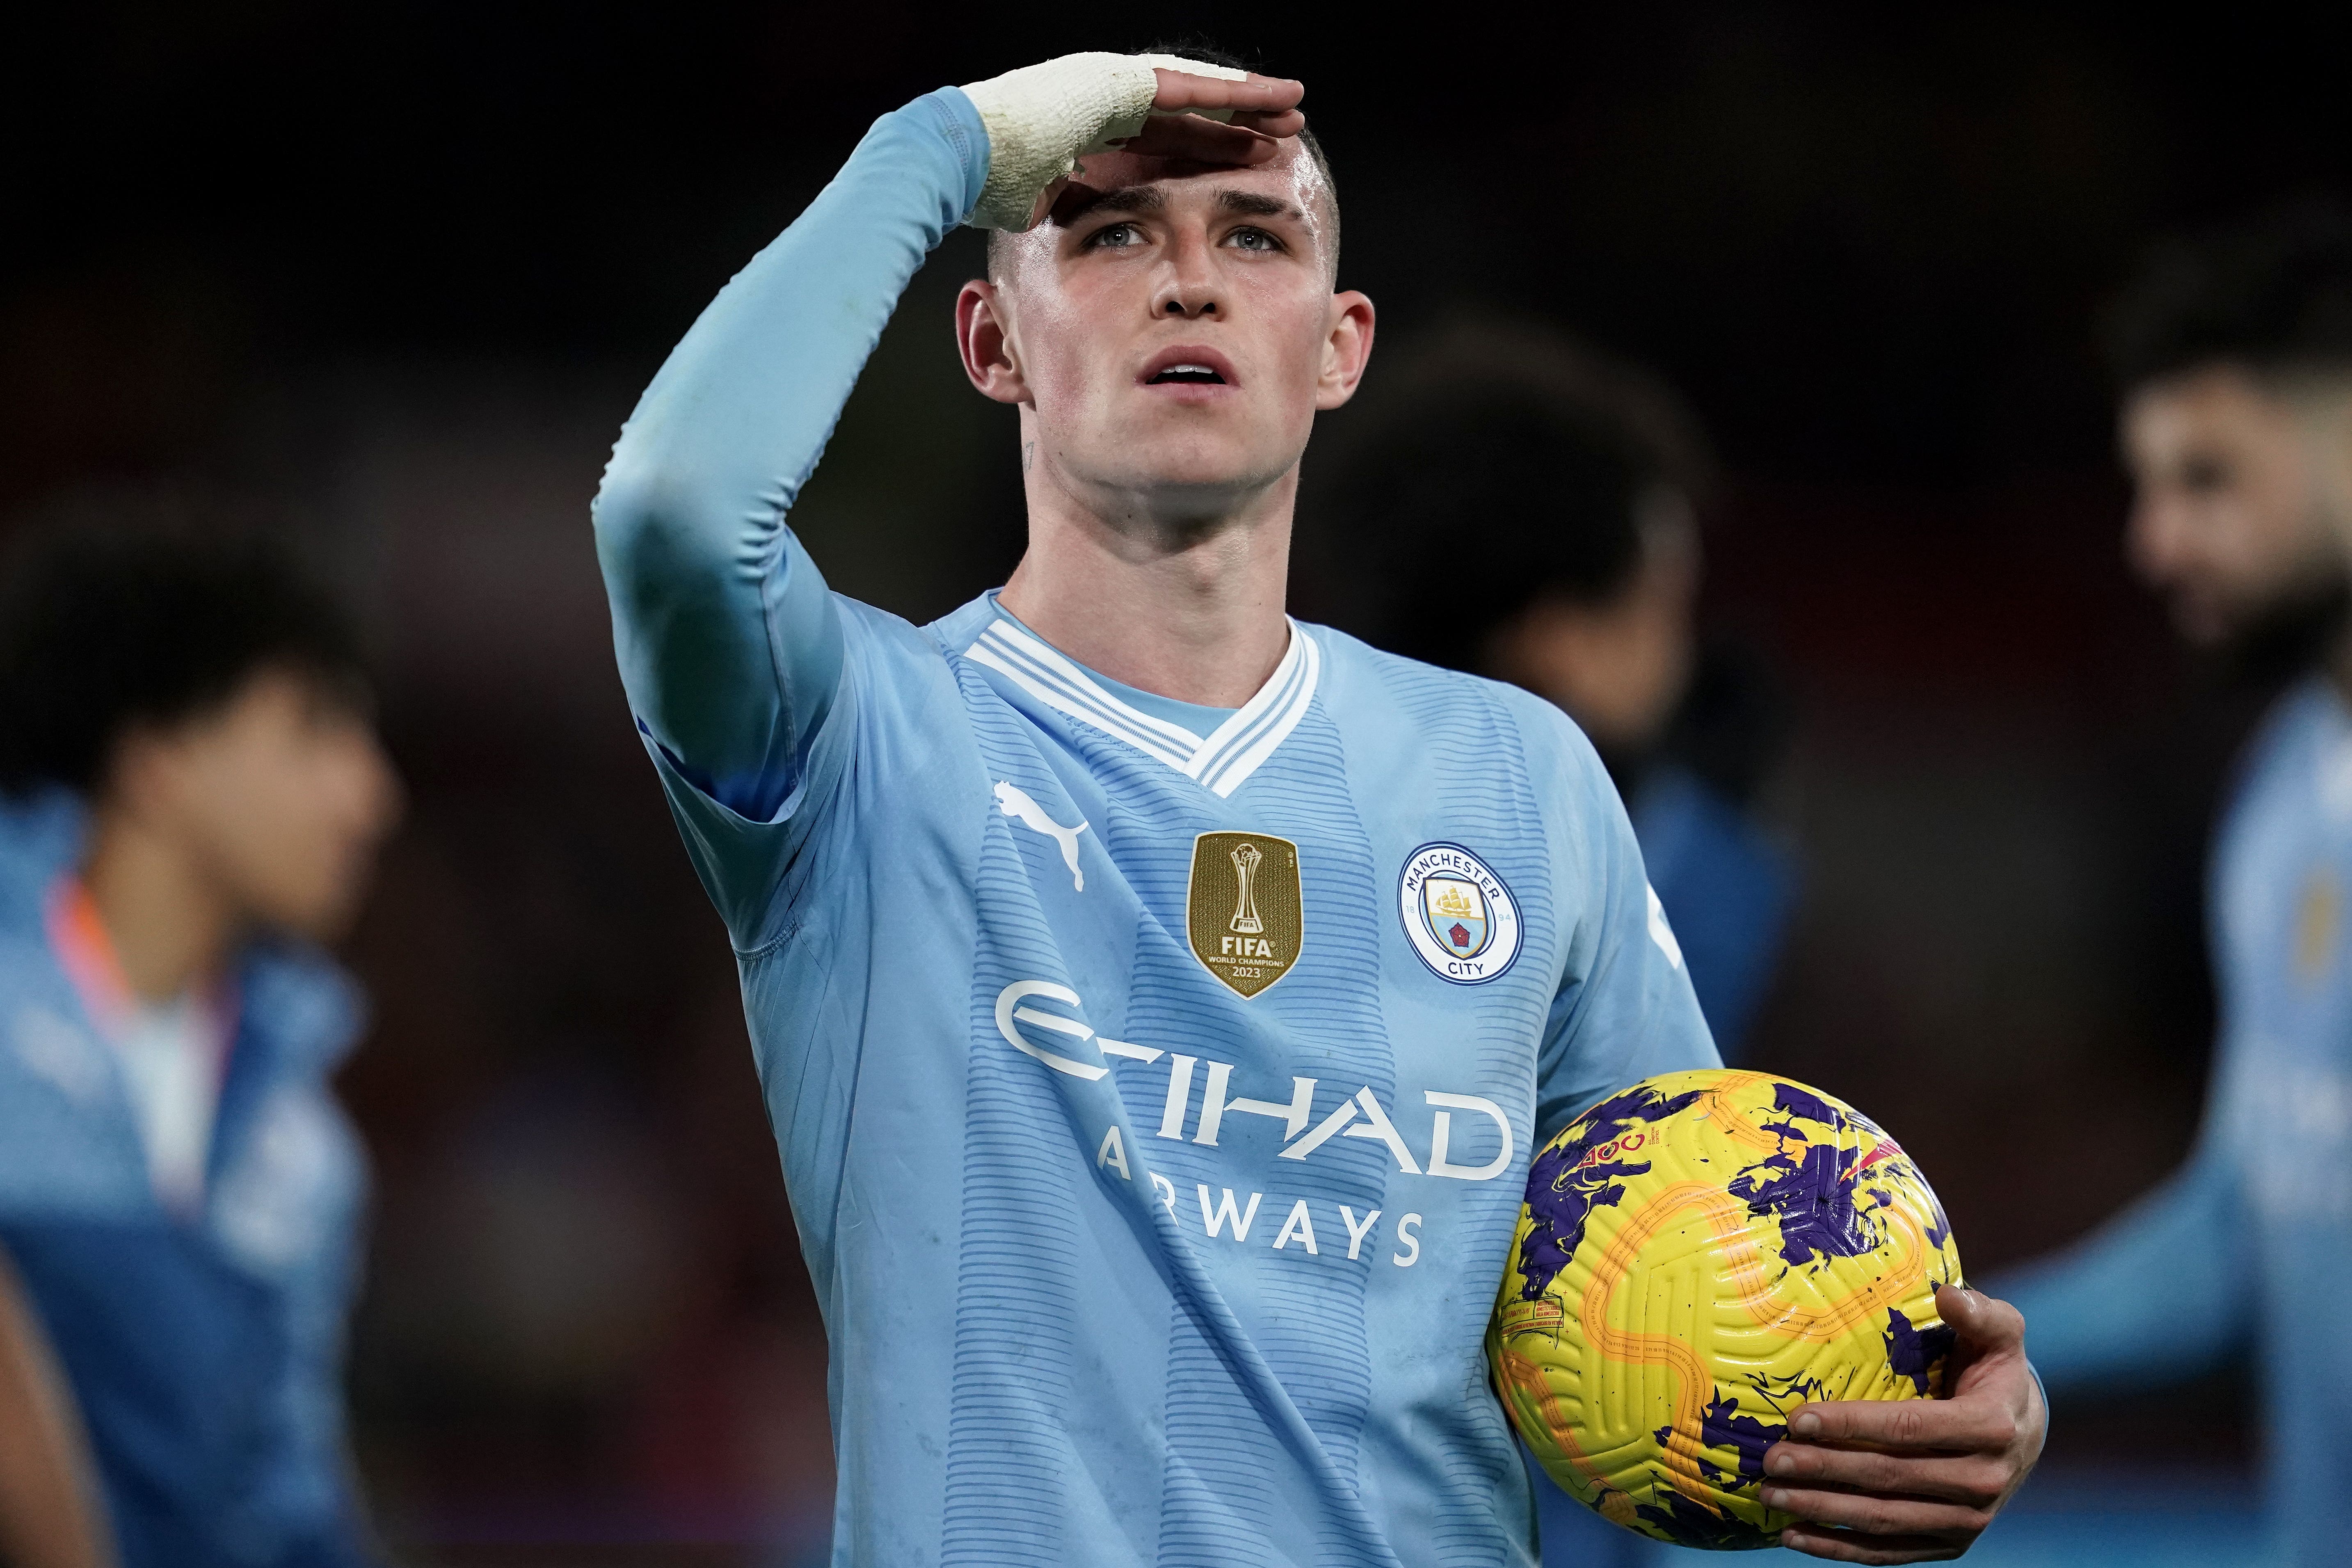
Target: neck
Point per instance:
(1186, 605)
(171, 926)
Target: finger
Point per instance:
(1191, 138)
(1044, 206)
(1843, 1548)
(1961, 1426)
(1180, 90)
(1289, 122)
(1986, 1324)
(1877, 1514)
(1970, 1480)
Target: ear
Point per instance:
(1347, 348)
(985, 338)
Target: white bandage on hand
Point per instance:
(1043, 118)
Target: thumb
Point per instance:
(1985, 1325)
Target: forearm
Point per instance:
(50, 1516)
(728, 645)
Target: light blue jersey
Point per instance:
(204, 1350)
(1155, 1085)
(2251, 1240)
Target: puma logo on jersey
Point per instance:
(1014, 802)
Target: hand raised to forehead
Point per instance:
(1041, 119)
(1262, 110)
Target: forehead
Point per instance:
(1290, 173)
(1291, 178)
(2218, 401)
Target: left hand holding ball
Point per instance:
(1915, 1480)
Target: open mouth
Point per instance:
(1187, 375)
(1187, 365)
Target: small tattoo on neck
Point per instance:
(1028, 451)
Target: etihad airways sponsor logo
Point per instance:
(1061, 1040)
(1231, 1218)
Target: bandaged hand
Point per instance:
(1043, 118)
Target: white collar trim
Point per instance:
(1220, 761)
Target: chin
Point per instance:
(324, 922)
(2203, 628)
(1192, 464)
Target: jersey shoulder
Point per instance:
(904, 681)
(66, 1147)
(2281, 773)
(1429, 702)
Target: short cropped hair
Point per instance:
(104, 630)
(1211, 56)
(1498, 464)
(2272, 294)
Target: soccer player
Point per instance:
(195, 795)
(2235, 359)
(1156, 999)
(1555, 494)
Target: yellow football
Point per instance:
(1697, 1256)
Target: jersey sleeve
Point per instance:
(730, 648)
(2163, 1292)
(1624, 1010)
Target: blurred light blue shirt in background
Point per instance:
(1728, 887)
(2249, 1246)
(204, 1350)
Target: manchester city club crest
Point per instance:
(1457, 914)
(1243, 915)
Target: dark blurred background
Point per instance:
(388, 277)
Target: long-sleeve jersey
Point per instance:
(1155, 1085)
(2251, 1242)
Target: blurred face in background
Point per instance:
(2228, 518)
(1619, 665)
(280, 797)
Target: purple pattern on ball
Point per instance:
(1725, 1427)
(1915, 1353)
(1562, 1192)
(1813, 1196)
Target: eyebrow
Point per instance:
(1124, 199)
(1139, 199)
(1251, 204)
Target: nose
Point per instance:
(1187, 287)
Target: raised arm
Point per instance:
(730, 648)
(728, 645)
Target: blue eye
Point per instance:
(1253, 239)
(1117, 235)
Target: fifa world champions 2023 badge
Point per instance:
(1458, 914)
(1244, 916)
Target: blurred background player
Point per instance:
(2235, 359)
(1517, 508)
(196, 796)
